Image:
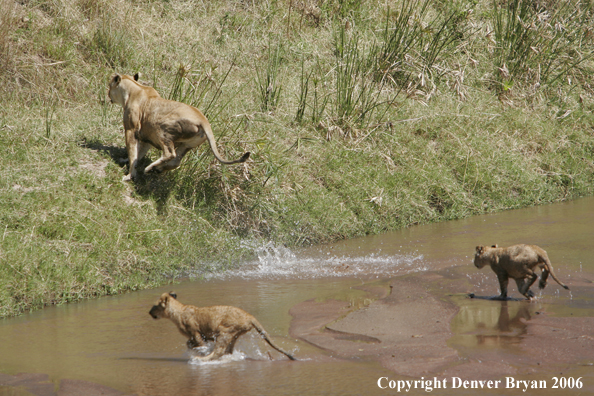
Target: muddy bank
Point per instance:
(40, 385)
(415, 329)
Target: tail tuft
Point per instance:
(244, 157)
(566, 287)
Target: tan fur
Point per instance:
(151, 121)
(517, 262)
(221, 324)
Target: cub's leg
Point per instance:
(195, 342)
(221, 345)
(543, 278)
(234, 338)
(521, 285)
(529, 282)
(503, 280)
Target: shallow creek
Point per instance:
(319, 303)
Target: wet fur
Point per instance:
(517, 262)
(221, 324)
(150, 121)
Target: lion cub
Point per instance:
(517, 262)
(221, 324)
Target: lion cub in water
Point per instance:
(517, 262)
(221, 324)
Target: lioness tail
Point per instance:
(213, 146)
(264, 335)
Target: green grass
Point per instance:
(361, 117)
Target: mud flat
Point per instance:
(425, 325)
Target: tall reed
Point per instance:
(537, 45)
(269, 83)
(357, 94)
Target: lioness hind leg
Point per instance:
(168, 155)
(181, 151)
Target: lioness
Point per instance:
(517, 262)
(151, 121)
(221, 324)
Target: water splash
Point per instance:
(251, 346)
(277, 262)
(234, 357)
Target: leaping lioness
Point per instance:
(221, 324)
(151, 121)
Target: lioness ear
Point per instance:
(117, 78)
(136, 76)
(173, 294)
(494, 246)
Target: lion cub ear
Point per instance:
(116, 78)
(173, 294)
(494, 246)
(479, 249)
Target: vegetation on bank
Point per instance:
(361, 116)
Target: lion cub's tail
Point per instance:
(264, 335)
(549, 269)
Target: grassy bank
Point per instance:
(361, 117)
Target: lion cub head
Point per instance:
(158, 310)
(482, 257)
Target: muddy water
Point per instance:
(113, 346)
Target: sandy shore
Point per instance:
(408, 329)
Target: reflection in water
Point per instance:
(511, 330)
(504, 323)
(491, 324)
